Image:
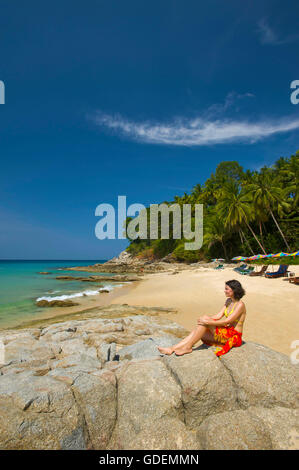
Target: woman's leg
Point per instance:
(171, 349)
(199, 332)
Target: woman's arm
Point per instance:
(214, 317)
(219, 315)
(228, 319)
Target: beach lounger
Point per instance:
(241, 268)
(294, 280)
(261, 272)
(282, 271)
(247, 271)
(220, 266)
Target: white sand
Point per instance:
(272, 304)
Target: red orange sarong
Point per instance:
(229, 337)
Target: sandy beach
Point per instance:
(272, 304)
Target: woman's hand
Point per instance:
(204, 321)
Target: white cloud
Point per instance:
(231, 102)
(195, 132)
(269, 36)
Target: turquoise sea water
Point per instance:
(21, 285)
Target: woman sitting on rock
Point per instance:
(223, 329)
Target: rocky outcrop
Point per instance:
(127, 263)
(116, 278)
(170, 258)
(99, 382)
(55, 303)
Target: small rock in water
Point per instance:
(55, 303)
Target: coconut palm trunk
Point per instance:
(247, 242)
(261, 232)
(242, 241)
(224, 249)
(255, 237)
(279, 229)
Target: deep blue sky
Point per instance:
(90, 86)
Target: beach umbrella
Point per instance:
(251, 258)
(256, 257)
(238, 258)
(296, 253)
(278, 255)
(259, 256)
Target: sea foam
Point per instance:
(75, 294)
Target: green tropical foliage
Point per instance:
(245, 212)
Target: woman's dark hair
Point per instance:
(236, 286)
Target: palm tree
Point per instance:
(243, 238)
(235, 209)
(196, 192)
(267, 194)
(210, 192)
(215, 232)
(290, 171)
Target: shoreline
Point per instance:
(104, 360)
(271, 304)
(194, 291)
(51, 314)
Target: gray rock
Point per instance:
(96, 397)
(112, 352)
(107, 351)
(56, 303)
(282, 425)
(266, 378)
(75, 441)
(238, 430)
(207, 387)
(146, 348)
(62, 387)
(27, 349)
(36, 412)
(76, 345)
(99, 326)
(161, 434)
(144, 332)
(84, 361)
(146, 393)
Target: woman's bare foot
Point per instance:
(182, 350)
(165, 350)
